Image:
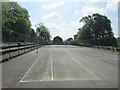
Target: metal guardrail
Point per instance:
(8, 52)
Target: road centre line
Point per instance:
(51, 65)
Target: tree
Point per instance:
(57, 40)
(43, 34)
(75, 36)
(118, 41)
(96, 30)
(15, 21)
(69, 41)
(33, 35)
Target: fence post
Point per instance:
(18, 43)
(9, 44)
(24, 43)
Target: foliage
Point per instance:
(15, 22)
(118, 41)
(111, 48)
(95, 31)
(118, 48)
(57, 40)
(33, 35)
(43, 34)
(69, 41)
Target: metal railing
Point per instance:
(8, 52)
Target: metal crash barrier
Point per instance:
(8, 52)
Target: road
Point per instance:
(60, 66)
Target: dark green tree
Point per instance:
(96, 31)
(118, 41)
(15, 21)
(57, 40)
(69, 41)
(33, 36)
(43, 34)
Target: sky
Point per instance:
(62, 17)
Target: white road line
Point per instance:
(30, 68)
(56, 80)
(51, 64)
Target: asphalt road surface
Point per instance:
(60, 66)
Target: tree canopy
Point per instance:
(95, 31)
(43, 34)
(15, 22)
(57, 40)
(69, 41)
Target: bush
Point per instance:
(107, 48)
(118, 48)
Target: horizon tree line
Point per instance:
(16, 24)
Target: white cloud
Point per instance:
(55, 29)
(114, 26)
(76, 12)
(116, 34)
(46, 1)
(92, 1)
(53, 5)
(76, 24)
(17, 0)
(34, 24)
(53, 15)
(64, 30)
(112, 5)
(92, 9)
